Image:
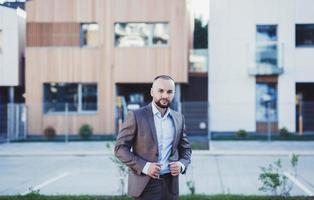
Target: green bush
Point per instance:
(50, 132)
(241, 133)
(275, 180)
(86, 131)
(284, 132)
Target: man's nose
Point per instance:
(164, 95)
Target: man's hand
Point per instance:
(154, 169)
(175, 168)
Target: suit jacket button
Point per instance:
(157, 154)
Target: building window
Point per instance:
(141, 34)
(1, 40)
(74, 97)
(304, 35)
(266, 46)
(89, 36)
(266, 102)
(89, 97)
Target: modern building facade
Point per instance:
(12, 44)
(81, 55)
(261, 65)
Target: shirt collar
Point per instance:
(156, 111)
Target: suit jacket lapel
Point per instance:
(176, 126)
(150, 118)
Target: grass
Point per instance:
(184, 197)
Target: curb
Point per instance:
(194, 153)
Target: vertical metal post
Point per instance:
(25, 121)
(300, 116)
(268, 121)
(17, 121)
(66, 139)
(10, 121)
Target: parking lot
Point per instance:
(86, 168)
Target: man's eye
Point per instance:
(169, 92)
(161, 91)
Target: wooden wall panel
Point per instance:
(140, 65)
(52, 34)
(174, 62)
(266, 79)
(262, 127)
(105, 64)
(64, 10)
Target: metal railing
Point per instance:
(13, 122)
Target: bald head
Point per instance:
(163, 90)
(163, 77)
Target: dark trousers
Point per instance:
(159, 189)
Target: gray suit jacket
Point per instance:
(137, 144)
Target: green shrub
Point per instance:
(284, 132)
(275, 180)
(50, 132)
(86, 131)
(241, 133)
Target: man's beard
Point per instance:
(159, 104)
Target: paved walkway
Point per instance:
(86, 168)
(101, 148)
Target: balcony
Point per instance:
(266, 59)
(198, 61)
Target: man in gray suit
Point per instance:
(153, 144)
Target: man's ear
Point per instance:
(151, 92)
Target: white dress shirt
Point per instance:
(165, 131)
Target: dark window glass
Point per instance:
(304, 36)
(78, 97)
(57, 95)
(89, 97)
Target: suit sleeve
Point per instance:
(184, 148)
(125, 141)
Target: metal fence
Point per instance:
(13, 122)
(67, 119)
(196, 117)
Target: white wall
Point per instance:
(231, 48)
(12, 25)
(231, 90)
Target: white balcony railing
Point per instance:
(265, 58)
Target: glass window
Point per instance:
(266, 46)
(160, 34)
(78, 97)
(89, 97)
(89, 34)
(266, 33)
(57, 95)
(141, 34)
(304, 36)
(266, 55)
(132, 34)
(266, 98)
